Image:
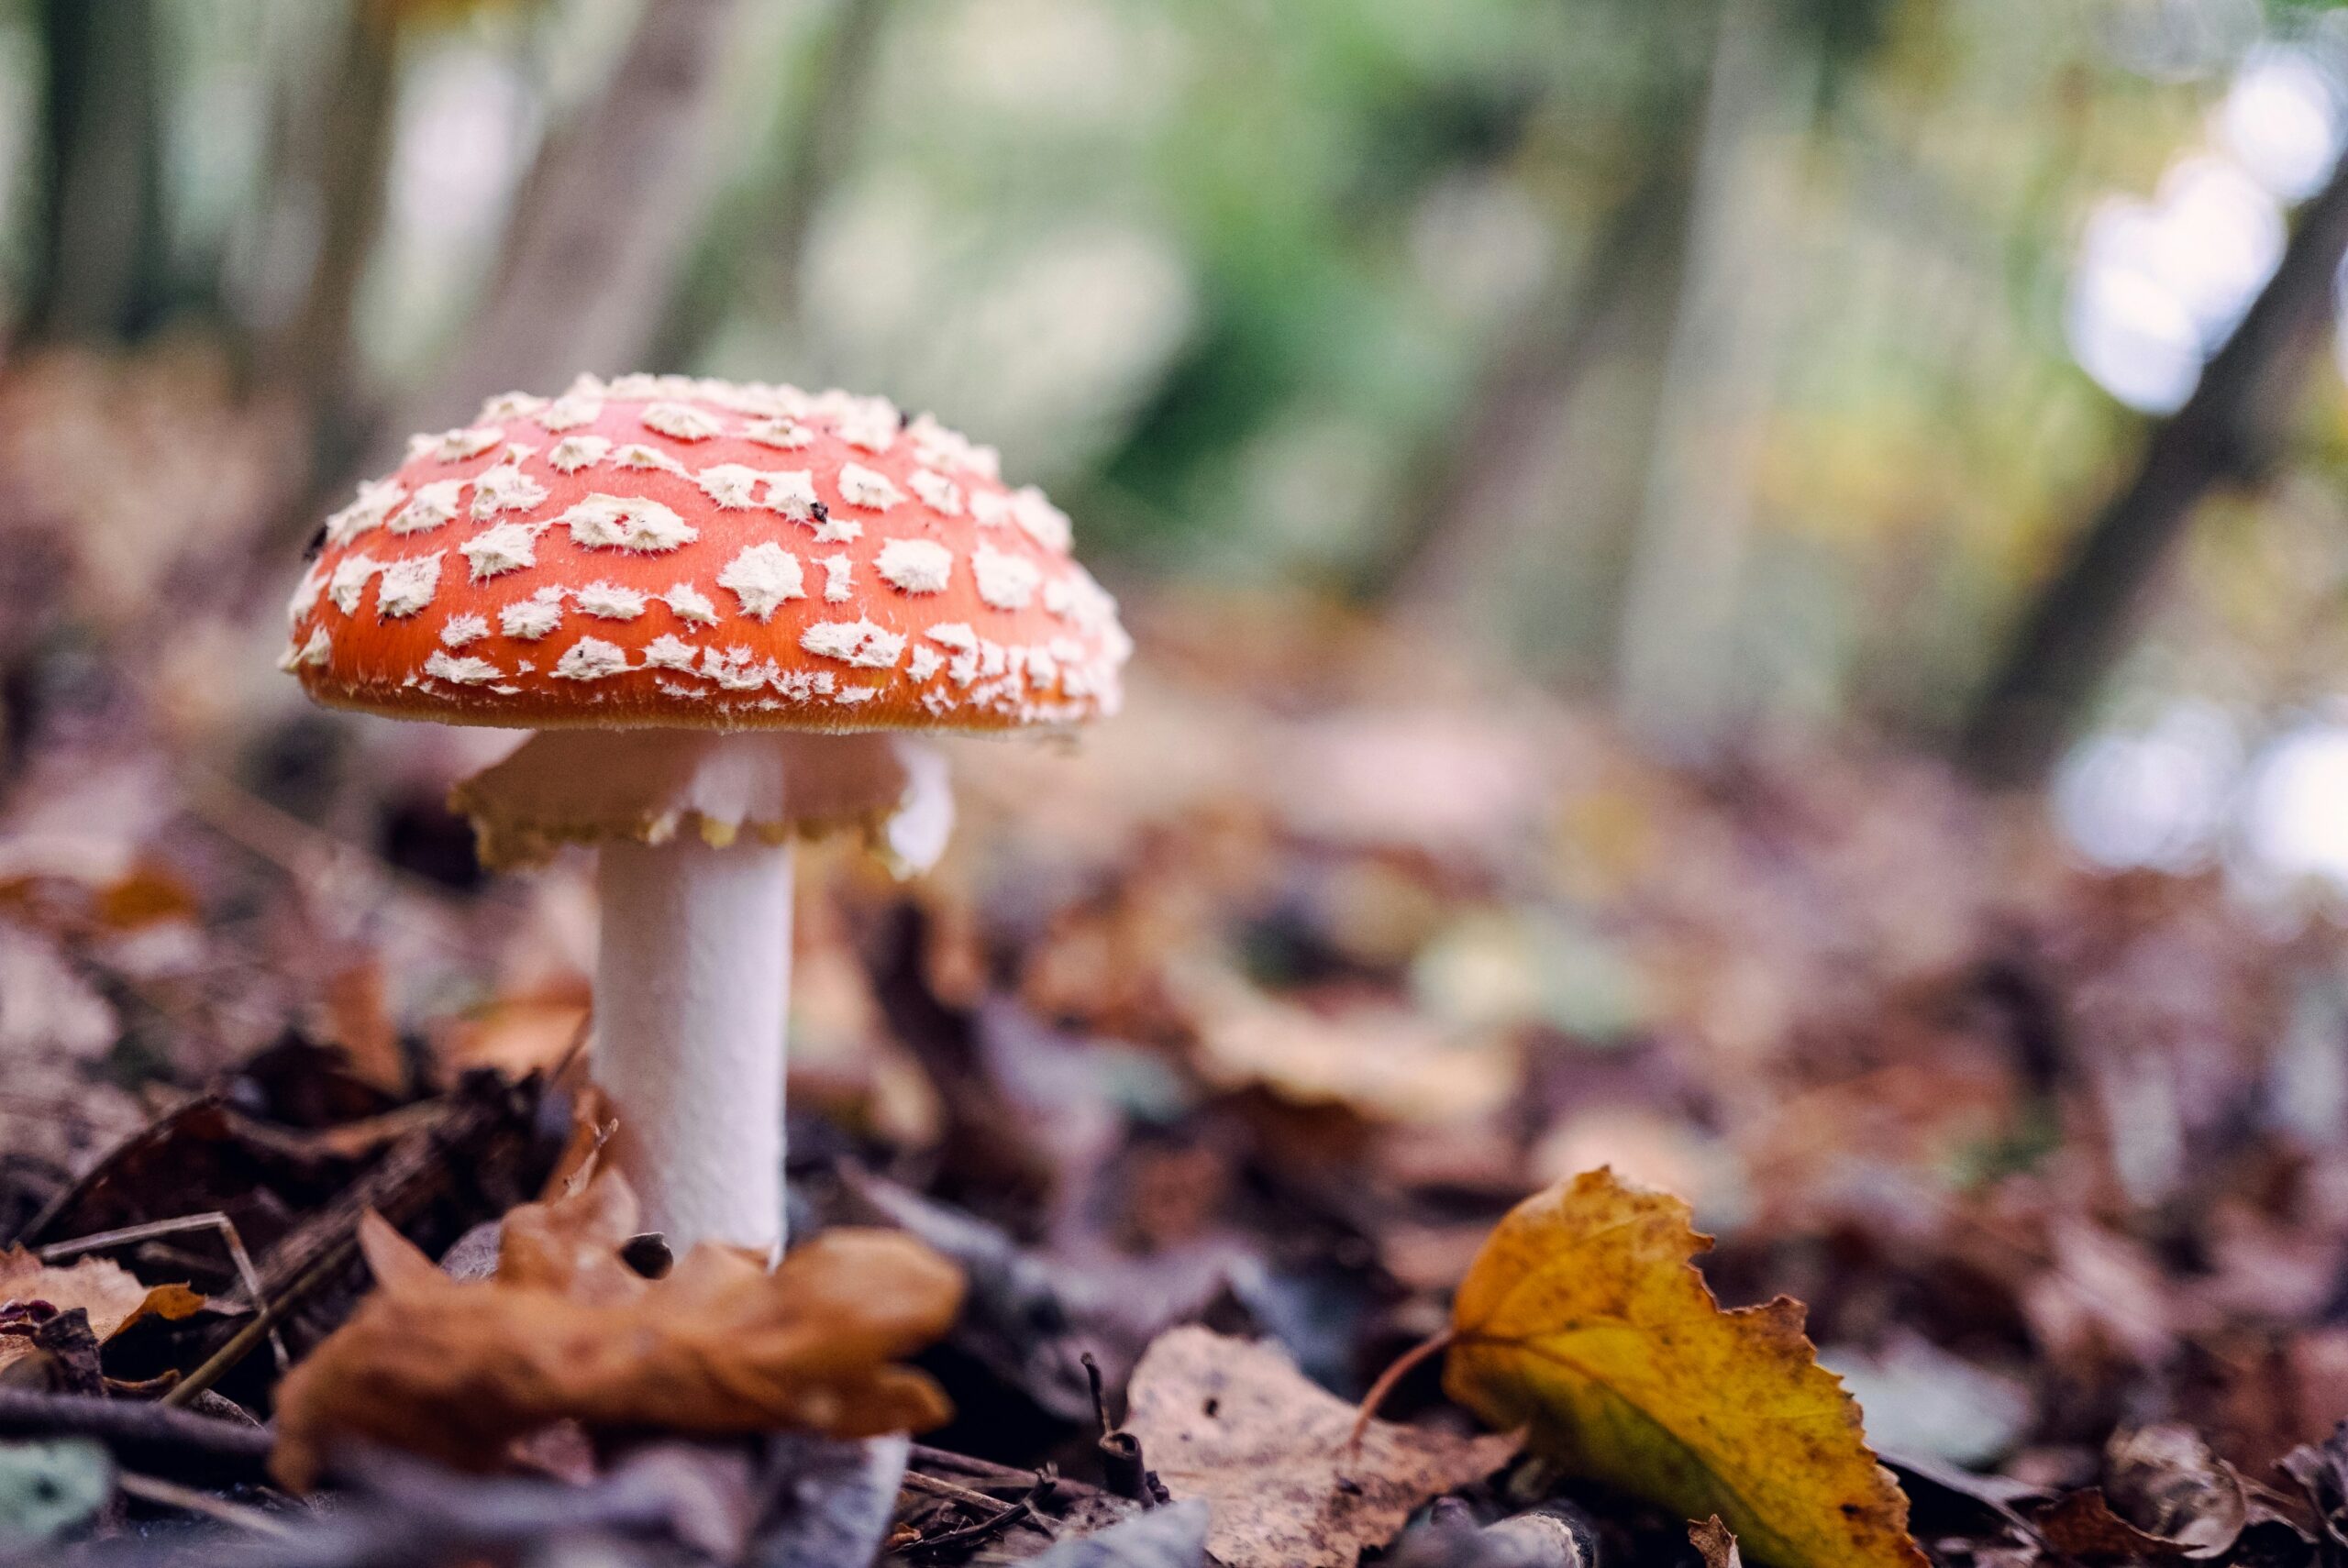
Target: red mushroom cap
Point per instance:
(667, 552)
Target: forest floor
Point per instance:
(1329, 1006)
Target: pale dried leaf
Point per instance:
(1234, 1422)
(110, 1293)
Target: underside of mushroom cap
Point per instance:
(667, 552)
(644, 787)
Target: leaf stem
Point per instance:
(1401, 1368)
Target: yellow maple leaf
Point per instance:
(1583, 1320)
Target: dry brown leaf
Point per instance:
(109, 1293)
(518, 1035)
(1584, 1320)
(564, 1330)
(1233, 1421)
(2082, 1526)
(359, 1019)
(1714, 1543)
(2166, 1479)
(1384, 1063)
(148, 895)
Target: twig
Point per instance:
(171, 1494)
(1120, 1450)
(1379, 1391)
(214, 1220)
(985, 1527)
(153, 1436)
(914, 1481)
(266, 1316)
(988, 1472)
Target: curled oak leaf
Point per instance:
(1583, 1320)
(457, 1371)
(110, 1293)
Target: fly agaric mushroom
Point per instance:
(723, 607)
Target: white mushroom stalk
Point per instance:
(693, 970)
(693, 978)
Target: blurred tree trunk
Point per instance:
(602, 224)
(102, 271)
(347, 173)
(1456, 522)
(2228, 432)
(1676, 664)
(1511, 532)
(772, 234)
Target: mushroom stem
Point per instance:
(691, 988)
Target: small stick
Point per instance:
(1002, 1521)
(1099, 1400)
(266, 1317)
(915, 1481)
(1121, 1464)
(987, 1473)
(171, 1494)
(1379, 1391)
(150, 1435)
(214, 1220)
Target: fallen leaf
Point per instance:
(1583, 1319)
(109, 1293)
(519, 1036)
(1715, 1544)
(457, 1371)
(2321, 1473)
(1234, 1422)
(148, 895)
(1383, 1061)
(359, 1019)
(2082, 1525)
(2165, 1480)
(55, 1352)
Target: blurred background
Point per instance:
(1741, 366)
(1748, 588)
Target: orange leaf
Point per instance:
(148, 895)
(458, 1371)
(111, 1294)
(1583, 1320)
